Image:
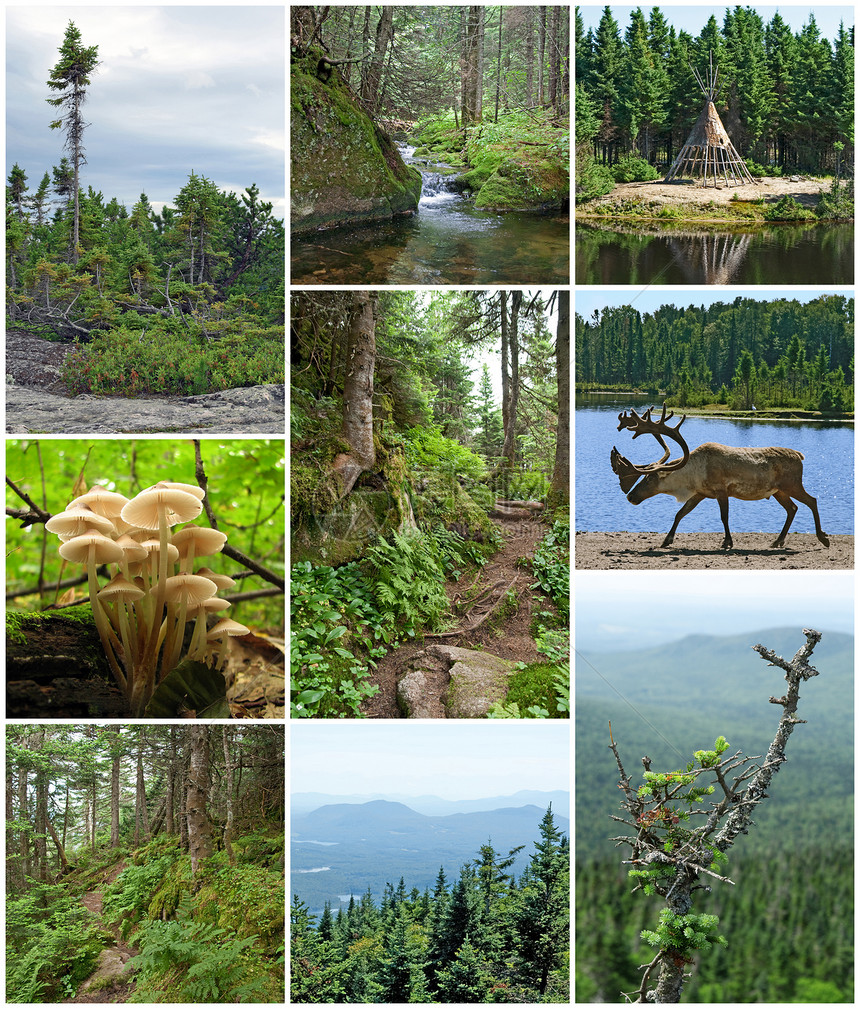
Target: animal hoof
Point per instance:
(825, 540)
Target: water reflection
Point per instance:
(783, 254)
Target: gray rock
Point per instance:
(449, 682)
(258, 409)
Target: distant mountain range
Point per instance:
(344, 849)
(433, 805)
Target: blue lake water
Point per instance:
(828, 473)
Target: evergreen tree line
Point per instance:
(748, 353)
(788, 922)
(487, 938)
(785, 98)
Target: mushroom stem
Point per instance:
(101, 620)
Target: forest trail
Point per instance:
(112, 961)
(484, 619)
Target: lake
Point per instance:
(828, 472)
(447, 241)
(768, 254)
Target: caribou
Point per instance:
(712, 471)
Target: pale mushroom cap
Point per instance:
(121, 588)
(202, 539)
(222, 581)
(133, 550)
(154, 546)
(211, 605)
(75, 521)
(105, 502)
(189, 488)
(192, 587)
(144, 510)
(104, 550)
(232, 628)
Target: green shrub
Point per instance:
(838, 204)
(634, 169)
(166, 359)
(428, 449)
(788, 209)
(551, 565)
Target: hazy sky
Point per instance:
(454, 760)
(178, 89)
(649, 299)
(616, 611)
(692, 17)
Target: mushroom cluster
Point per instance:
(142, 612)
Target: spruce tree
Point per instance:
(70, 79)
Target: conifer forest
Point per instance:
(786, 97)
(146, 861)
(184, 300)
(484, 937)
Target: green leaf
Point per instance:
(190, 686)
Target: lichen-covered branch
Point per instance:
(670, 855)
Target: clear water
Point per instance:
(776, 254)
(447, 241)
(828, 474)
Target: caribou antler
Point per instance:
(627, 472)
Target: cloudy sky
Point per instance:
(178, 89)
(617, 611)
(468, 760)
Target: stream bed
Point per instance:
(447, 241)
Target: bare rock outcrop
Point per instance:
(448, 682)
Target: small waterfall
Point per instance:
(436, 187)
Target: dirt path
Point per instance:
(689, 191)
(112, 961)
(475, 597)
(752, 551)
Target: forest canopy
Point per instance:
(786, 98)
(779, 353)
(156, 847)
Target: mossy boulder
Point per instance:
(344, 168)
(523, 182)
(352, 525)
(441, 498)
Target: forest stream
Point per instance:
(485, 619)
(448, 241)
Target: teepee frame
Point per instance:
(708, 151)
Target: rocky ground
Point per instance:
(752, 551)
(37, 402)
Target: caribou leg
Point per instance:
(685, 509)
(723, 502)
(811, 504)
(790, 511)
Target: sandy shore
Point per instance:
(752, 551)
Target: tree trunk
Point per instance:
(541, 51)
(472, 66)
(358, 393)
(199, 826)
(172, 771)
(560, 491)
(114, 788)
(41, 813)
(509, 446)
(370, 89)
(228, 786)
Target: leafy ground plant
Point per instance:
(672, 856)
